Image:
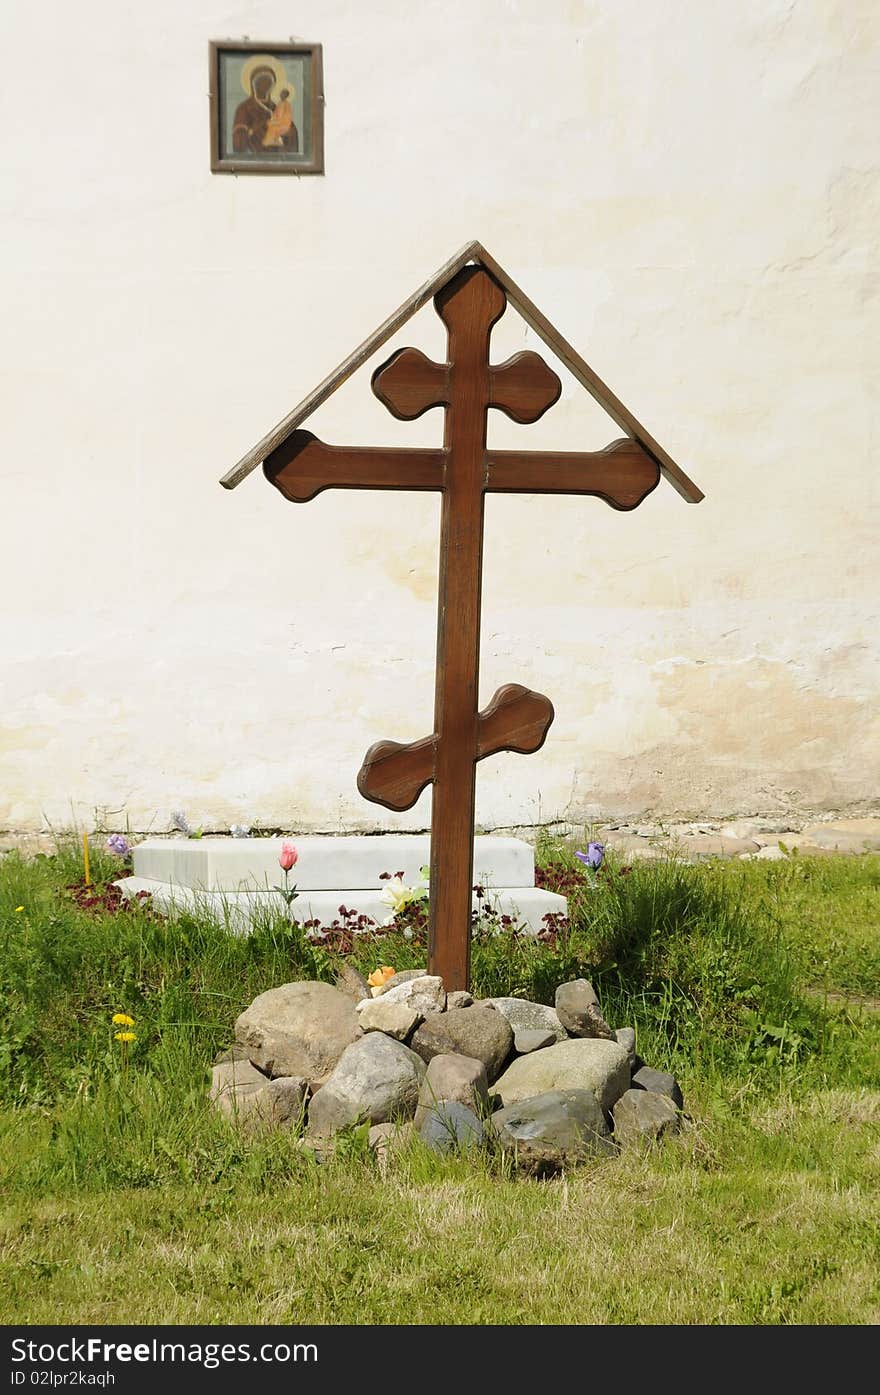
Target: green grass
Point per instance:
(127, 1199)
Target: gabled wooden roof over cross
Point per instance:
(470, 294)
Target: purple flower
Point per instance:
(593, 856)
(119, 844)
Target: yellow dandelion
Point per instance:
(18, 908)
(125, 1036)
(122, 1019)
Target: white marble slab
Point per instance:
(239, 909)
(351, 861)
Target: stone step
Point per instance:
(526, 905)
(347, 863)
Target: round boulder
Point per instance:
(478, 1032)
(581, 1063)
(376, 1079)
(643, 1116)
(298, 1029)
(553, 1130)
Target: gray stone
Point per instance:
(394, 1019)
(643, 1116)
(298, 1029)
(459, 999)
(424, 994)
(627, 1038)
(243, 1093)
(524, 1042)
(352, 983)
(451, 1127)
(580, 1063)
(660, 1082)
(282, 1101)
(232, 1053)
(314, 1149)
(476, 1031)
(578, 1010)
(387, 1139)
(234, 1086)
(405, 976)
(553, 1130)
(705, 845)
(528, 1017)
(452, 1077)
(376, 1079)
(843, 835)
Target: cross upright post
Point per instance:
(464, 470)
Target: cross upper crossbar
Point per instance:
(464, 470)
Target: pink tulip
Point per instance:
(288, 856)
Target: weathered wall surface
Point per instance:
(688, 192)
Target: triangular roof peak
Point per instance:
(472, 252)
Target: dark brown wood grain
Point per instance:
(622, 474)
(517, 719)
(410, 384)
(303, 466)
(395, 774)
(524, 387)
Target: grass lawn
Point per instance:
(126, 1199)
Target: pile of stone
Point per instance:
(548, 1085)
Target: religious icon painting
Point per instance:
(267, 108)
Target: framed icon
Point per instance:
(267, 108)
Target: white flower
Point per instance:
(398, 896)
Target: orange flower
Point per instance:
(379, 977)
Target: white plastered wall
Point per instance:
(689, 192)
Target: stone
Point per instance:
(771, 852)
(385, 1139)
(312, 1149)
(524, 1042)
(282, 1101)
(326, 863)
(394, 1019)
(376, 1079)
(241, 909)
(578, 1010)
(627, 1038)
(644, 1116)
(660, 1082)
(843, 835)
(243, 1093)
(553, 1130)
(580, 1063)
(459, 999)
(234, 1084)
(453, 1077)
(451, 1127)
(476, 1031)
(705, 845)
(424, 994)
(528, 1017)
(232, 1053)
(352, 983)
(298, 1029)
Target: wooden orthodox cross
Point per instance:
(466, 386)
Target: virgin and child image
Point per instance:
(263, 122)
